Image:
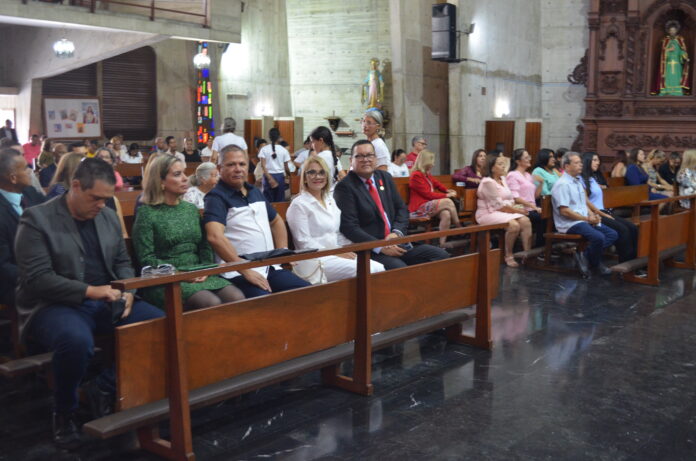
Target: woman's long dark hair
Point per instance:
(274, 136)
(543, 158)
(587, 172)
(473, 159)
(516, 156)
(323, 133)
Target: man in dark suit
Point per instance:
(372, 209)
(9, 132)
(68, 250)
(16, 195)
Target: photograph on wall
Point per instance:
(79, 118)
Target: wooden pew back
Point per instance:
(260, 332)
(616, 182)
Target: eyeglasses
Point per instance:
(364, 157)
(368, 122)
(315, 173)
(162, 269)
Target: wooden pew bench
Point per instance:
(662, 238)
(234, 348)
(614, 197)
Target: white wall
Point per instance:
(506, 40)
(564, 37)
(330, 45)
(254, 75)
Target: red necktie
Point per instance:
(375, 197)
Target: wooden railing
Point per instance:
(150, 6)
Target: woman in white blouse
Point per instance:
(322, 142)
(397, 166)
(314, 220)
(371, 124)
(200, 183)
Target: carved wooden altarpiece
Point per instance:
(621, 71)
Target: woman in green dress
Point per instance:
(168, 230)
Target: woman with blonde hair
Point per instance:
(168, 230)
(429, 198)
(314, 220)
(61, 179)
(200, 183)
(686, 178)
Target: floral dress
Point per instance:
(687, 184)
(166, 234)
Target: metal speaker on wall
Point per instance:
(444, 32)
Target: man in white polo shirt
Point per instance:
(228, 137)
(238, 220)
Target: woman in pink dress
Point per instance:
(496, 205)
(526, 190)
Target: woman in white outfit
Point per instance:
(314, 219)
(371, 124)
(322, 143)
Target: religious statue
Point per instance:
(674, 63)
(373, 87)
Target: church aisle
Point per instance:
(595, 369)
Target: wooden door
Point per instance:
(252, 130)
(287, 132)
(532, 139)
(500, 133)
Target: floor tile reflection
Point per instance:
(581, 369)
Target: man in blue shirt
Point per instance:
(239, 220)
(571, 215)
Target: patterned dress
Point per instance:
(165, 234)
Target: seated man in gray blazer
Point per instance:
(68, 251)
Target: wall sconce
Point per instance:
(469, 29)
(334, 121)
(64, 48)
(502, 108)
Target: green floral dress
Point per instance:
(165, 234)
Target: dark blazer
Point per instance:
(50, 256)
(360, 218)
(9, 220)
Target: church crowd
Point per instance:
(62, 228)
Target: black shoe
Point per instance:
(101, 403)
(581, 262)
(601, 269)
(641, 273)
(66, 434)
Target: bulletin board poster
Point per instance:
(72, 118)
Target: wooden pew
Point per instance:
(616, 182)
(167, 366)
(662, 238)
(130, 169)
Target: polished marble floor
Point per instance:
(581, 370)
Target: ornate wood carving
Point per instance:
(666, 110)
(579, 74)
(610, 82)
(613, 6)
(613, 31)
(608, 109)
(627, 140)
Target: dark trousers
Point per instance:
(69, 332)
(279, 280)
(539, 227)
(598, 238)
(417, 255)
(277, 194)
(627, 242)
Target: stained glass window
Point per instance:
(205, 126)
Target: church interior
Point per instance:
(506, 350)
